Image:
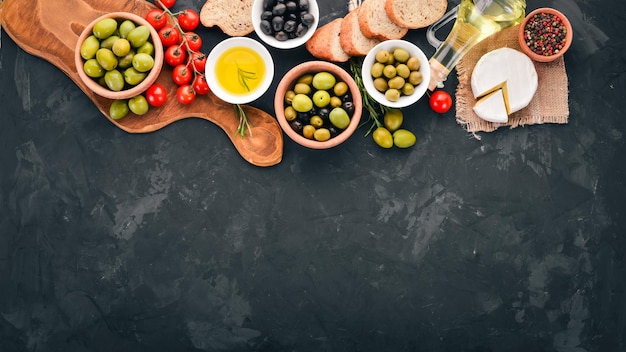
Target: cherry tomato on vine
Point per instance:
(198, 60)
(440, 101)
(182, 74)
(200, 85)
(156, 95)
(188, 20)
(169, 36)
(166, 3)
(156, 18)
(194, 41)
(175, 55)
(185, 94)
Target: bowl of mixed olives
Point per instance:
(118, 55)
(285, 24)
(318, 104)
(396, 73)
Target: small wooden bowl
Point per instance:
(152, 76)
(543, 58)
(288, 82)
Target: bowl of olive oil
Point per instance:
(239, 70)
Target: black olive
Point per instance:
(291, 6)
(334, 130)
(266, 27)
(277, 23)
(303, 117)
(290, 26)
(266, 15)
(268, 4)
(307, 19)
(279, 10)
(347, 97)
(324, 113)
(301, 30)
(304, 5)
(296, 126)
(281, 36)
(292, 17)
(348, 106)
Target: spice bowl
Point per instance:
(239, 70)
(336, 127)
(538, 46)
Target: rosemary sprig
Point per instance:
(244, 76)
(244, 123)
(372, 106)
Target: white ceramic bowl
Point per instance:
(257, 10)
(219, 50)
(405, 100)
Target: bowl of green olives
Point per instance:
(285, 24)
(396, 73)
(318, 104)
(119, 55)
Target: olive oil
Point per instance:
(240, 70)
(476, 20)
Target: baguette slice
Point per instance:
(414, 14)
(233, 17)
(352, 40)
(324, 44)
(375, 23)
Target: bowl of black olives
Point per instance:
(285, 24)
(318, 104)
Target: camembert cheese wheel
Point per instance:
(509, 72)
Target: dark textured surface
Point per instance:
(170, 241)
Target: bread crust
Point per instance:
(352, 40)
(415, 14)
(233, 17)
(375, 23)
(325, 44)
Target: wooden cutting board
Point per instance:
(50, 31)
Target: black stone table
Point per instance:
(170, 241)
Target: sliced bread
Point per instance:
(233, 17)
(415, 14)
(324, 44)
(352, 40)
(375, 23)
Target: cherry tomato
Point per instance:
(182, 74)
(198, 60)
(185, 94)
(175, 55)
(188, 20)
(156, 95)
(194, 41)
(166, 3)
(169, 36)
(156, 18)
(440, 101)
(200, 86)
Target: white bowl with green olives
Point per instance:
(285, 24)
(118, 55)
(396, 73)
(318, 104)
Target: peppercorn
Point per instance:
(545, 34)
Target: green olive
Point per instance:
(377, 69)
(121, 48)
(392, 94)
(133, 77)
(306, 79)
(396, 82)
(126, 61)
(335, 101)
(106, 59)
(308, 131)
(415, 78)
(393, 119)
(118, 109)
(126, 27)
(339, 118)
(316, 121)
(401, 55)
(89, 47)
(302, 103)
(146, 48)
(93, 69)
(105, 28)
(321, 134)
(138, 36)
(138, 105)
(290, 113)
(381, 84)
(108, 42)
(408, 89)
(403, 71)
(382, 56)
(403, 138)
(289, 96)
(413, 63)
(390, 71)
(383, 137)
(302, 88)
(114, 80)
(143, 62)
(323, 80)
(340, 89)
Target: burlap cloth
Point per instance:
(549, 105)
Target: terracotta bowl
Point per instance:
(288, 82)
(130, 92)
(543, 58)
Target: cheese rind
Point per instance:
(492, 107)
(510, 66)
